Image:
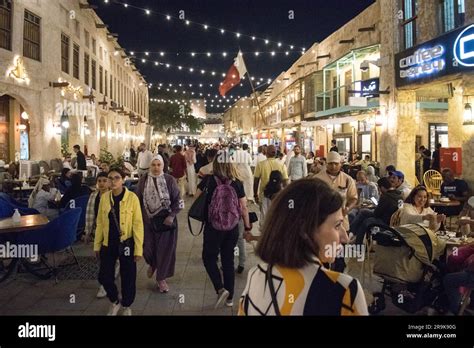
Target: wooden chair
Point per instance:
(395, 219)
(433, 181)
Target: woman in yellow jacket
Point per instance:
(119, 235)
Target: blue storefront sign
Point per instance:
(448, 54)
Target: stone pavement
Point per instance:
(191, 292)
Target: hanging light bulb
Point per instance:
(468, 119)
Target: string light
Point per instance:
(190, 69)
(205, 26)
(210, 54)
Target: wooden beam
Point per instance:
(372, 28)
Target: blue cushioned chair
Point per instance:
(8, 206)
(57, 235)
(80, 202)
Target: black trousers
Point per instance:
(223, 243)
(128, 275)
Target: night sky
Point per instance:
(266, 19)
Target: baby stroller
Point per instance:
(407, 259)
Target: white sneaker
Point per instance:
(101, 293)
(229, 303)
(114, 309)
(221, 297)
(127, 311)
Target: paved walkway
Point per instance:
(191, 292)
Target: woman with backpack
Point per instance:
(227, 203)
(303, 230)
(161, 202)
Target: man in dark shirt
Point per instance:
(334, 147)
(166, 158)
(426, 156)
(81, 159)
(435, 161)
(455, 189)
(178, 169)
(390, 200)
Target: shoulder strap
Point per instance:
(272, 290)
(112, 210)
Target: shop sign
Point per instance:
(370, 88)
(448, 54)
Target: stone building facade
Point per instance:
(66, 81)
(348, 87)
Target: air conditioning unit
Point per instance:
(28, 169)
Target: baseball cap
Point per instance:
(398, 174)
(333, 157)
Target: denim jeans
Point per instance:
(452, 283)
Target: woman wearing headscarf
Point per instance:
(161, 202)
(41, 195)
(190, 157)
(371, 174)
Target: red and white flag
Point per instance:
(234, 75)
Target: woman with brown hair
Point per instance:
(417, 211)
(226, 205)
(302, 231)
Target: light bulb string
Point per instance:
(204, 25)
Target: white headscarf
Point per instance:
(156, 197)
(39, 185)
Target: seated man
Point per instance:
(390, 201)
(41, 197)
(366, 188)
(456, 189)
(397, 179)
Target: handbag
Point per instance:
(127, 247)
(197, 211)
(159, 225)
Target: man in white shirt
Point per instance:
(144, 160)
(260, 156)
(297, 168)
(289, 156)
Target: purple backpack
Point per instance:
(224, 209)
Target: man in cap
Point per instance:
(341, 182)
(397, 179)
(346, 186)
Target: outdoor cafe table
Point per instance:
(8, 232)
(450, 203)
(27, 223)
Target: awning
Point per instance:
(336, 120)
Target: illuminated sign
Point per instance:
(370, 88)
(448, 54)
(18, 71)
(423, 61)
(464, 47)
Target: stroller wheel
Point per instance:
(378, 305)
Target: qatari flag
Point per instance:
(234, 75)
